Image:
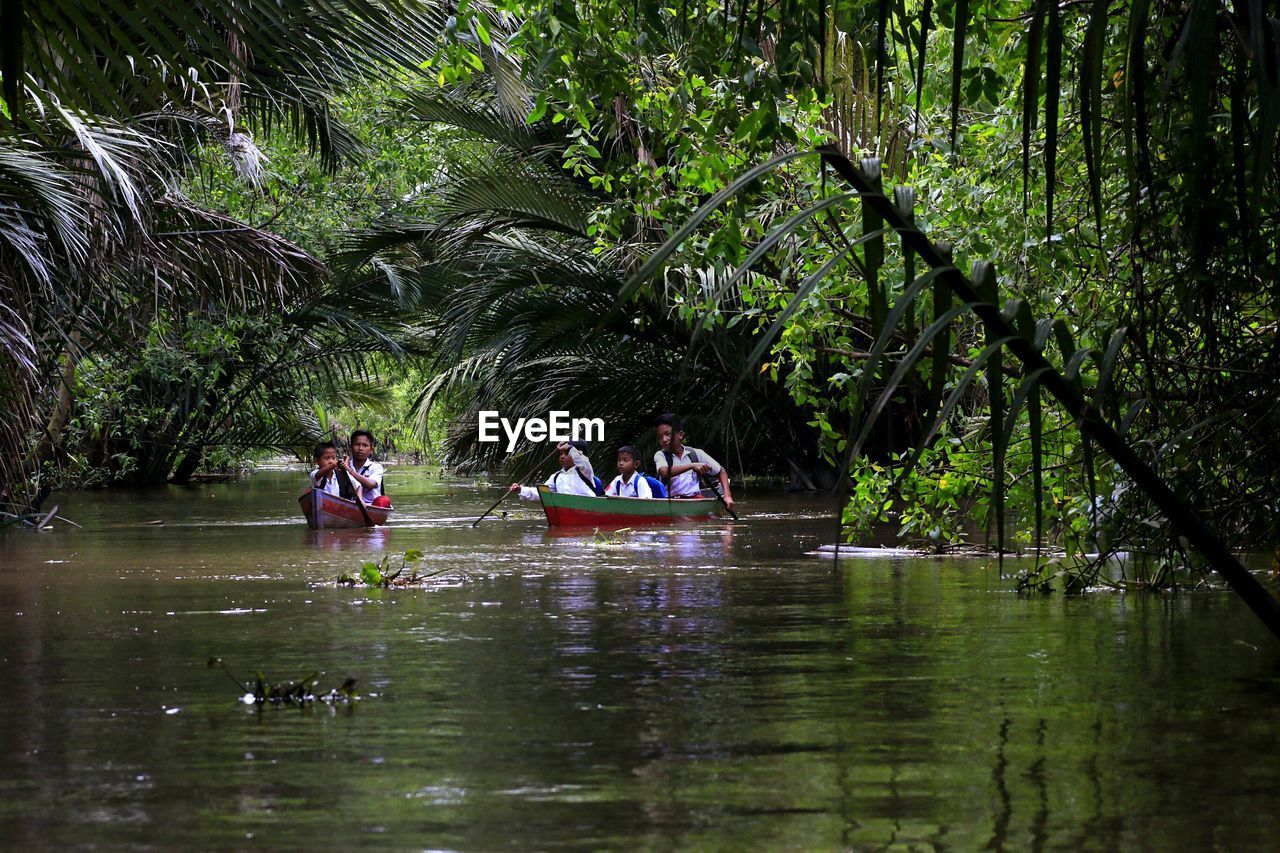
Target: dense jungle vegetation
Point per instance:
(228, 227)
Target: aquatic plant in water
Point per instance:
(617, 537)
(379, 574)
(300, 693)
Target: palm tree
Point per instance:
(519, 302)
(102, 121)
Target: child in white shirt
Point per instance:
(575, 476)
(629, 483)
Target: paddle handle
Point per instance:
(723, 502)
(711, 483)
(505, 495)
(355, 492)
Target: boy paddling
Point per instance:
(680, 466)
(324, 477)
(364, 471)
(575, 476)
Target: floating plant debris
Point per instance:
(303, 692)
(381, 575)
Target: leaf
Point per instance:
(957, 393)
(957, 64)
(1136, 126)
(1091, 104)
(873, 253)
(370, 574)
(984, 281)
(1107, 368)
(926, 22)
(908, 361)
(659, 257)
(1052, 93)
(539, 109)
(1031, 91)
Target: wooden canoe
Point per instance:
(333, 512)
(565, 510)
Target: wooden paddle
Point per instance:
(505, 495)
(508, 493)
(355, 492)
(723, 502)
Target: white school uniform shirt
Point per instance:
(330, 483)
(566, 481)
(638, 487)
(686, 484)
(374, 471)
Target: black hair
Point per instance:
(672, 420)
(322, 447)
(363, 432)
(630, 451)
(581, 445)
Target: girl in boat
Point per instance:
(575, 476)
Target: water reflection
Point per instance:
(689, 687)
(350, 539)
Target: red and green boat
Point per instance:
(325, 511)
(565, 510)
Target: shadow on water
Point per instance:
(704, 686)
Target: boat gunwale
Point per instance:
(579, 511)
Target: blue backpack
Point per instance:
(594, 485)
(655, 485)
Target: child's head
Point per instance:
(361, 445)
(324, 452)
(670, 431)
(628, 459)
(566, 459)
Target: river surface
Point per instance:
(709, 687)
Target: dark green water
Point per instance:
(703, 688)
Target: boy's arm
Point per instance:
(527, 493)
(368, 482)
(665, 472)
(724, 488)
(580, 461)
(717, 470)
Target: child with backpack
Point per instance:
(575, 476)
(683, 466)
(630, 483)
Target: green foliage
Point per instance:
(101, 132)
(621, 536)
(299, 196)
(381, 575)
(515, 291)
